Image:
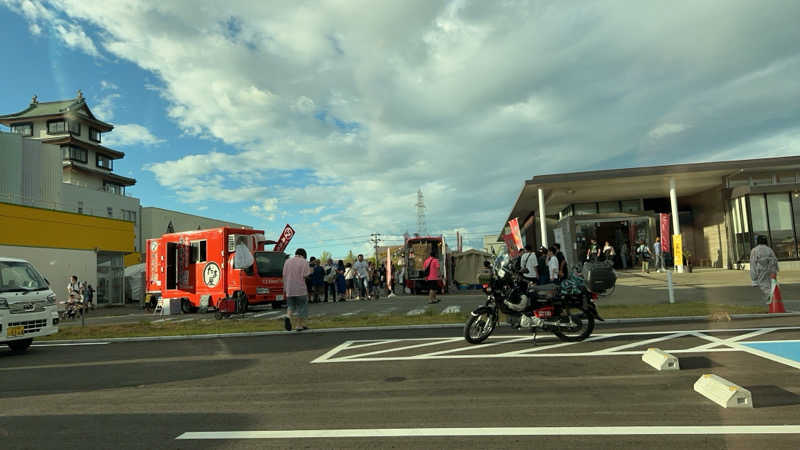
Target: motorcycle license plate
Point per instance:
(17, 330)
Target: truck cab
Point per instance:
(27, 305)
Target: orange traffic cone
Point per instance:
(776, 302)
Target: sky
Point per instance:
(330, 115)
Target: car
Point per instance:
(27, 305)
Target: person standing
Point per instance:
(644, 254)
(623, 255)
(593, 252)
(763, 267)
(529, 262)
(432, 280)
(659, 254)
(552, 264)
(330, 280)
(317, 280)
(562, 263)
(341, 285)
(295, 272)
(350, 279)
(362, 275)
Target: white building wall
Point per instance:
(96, 203)
(30, 172)
(57, 265)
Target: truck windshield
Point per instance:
(270, 264)
(17, 276)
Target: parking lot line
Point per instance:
(643, 343)
(408, 347)
(496, 431)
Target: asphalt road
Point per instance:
(147, 394)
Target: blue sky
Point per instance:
(330, 115)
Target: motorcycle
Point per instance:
(568, 310)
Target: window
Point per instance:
(94, 134)
(761, 180)
(110, 211)
(104, 162)
(74, 127)
(112, 187)
(25, 129)
(758, 216)
(607, 207)
(741, 227)
(781, 231)
(787, 178)
(74, 154)
(128, 215)
(80, 207)
(199, 251)
(56, 126)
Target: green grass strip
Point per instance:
(206, 324)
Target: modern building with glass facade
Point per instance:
(719, 208)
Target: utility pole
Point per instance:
(375, 238)
(422, 228)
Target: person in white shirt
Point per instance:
(362, 274)
(552, 264)
(530, 264)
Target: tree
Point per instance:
(325, 256)
(350, 257)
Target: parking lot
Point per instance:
(407, 388)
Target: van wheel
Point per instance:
(187, 307)
(20, 346)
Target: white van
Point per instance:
(27, 305)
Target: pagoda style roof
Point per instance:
(76, 107)
(70, 140)
(110, 176)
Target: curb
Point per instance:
(399, 327)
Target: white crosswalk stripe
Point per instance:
(416, 312)
(453, 309)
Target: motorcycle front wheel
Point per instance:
(579, 324)
(479, 327)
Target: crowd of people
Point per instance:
(331, 281)
(544, 265)
(626, 258)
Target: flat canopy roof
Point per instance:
(561, 190)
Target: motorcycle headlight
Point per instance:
(51, 299)
(3, 303)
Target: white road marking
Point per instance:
(70, 345)
(732, 344)
(416, 312)
(453, 309)
(352, 313)
(183, 320)
(497, 431)
(641, 343)
(270, 313)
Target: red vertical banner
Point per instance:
(283, 241)
(664, 232)
(512, 248)
(515, 233)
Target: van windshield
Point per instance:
(270, 264)
(17, 276)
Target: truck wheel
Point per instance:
(187, 307)
(20, 346)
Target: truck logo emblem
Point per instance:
(211, 274)
(29, 307)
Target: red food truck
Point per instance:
(203, 267)
(416, 251)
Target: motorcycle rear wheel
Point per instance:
(479, 327)
(583, 324)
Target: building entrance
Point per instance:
(622, 235)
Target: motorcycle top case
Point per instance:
(599, 276)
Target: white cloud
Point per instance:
(108, 85)
(265, 209)
(666, 129)
(104, 109)
(74, 36)
(70, 33)
(130, 134)
(466, 99)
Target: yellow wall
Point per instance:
(36, 227)
(132, 258)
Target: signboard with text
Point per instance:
(664, 219)
(283, 241)
(677, 243)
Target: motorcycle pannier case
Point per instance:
(599, 277)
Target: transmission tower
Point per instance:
(422, 228)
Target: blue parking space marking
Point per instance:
(784, 349)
